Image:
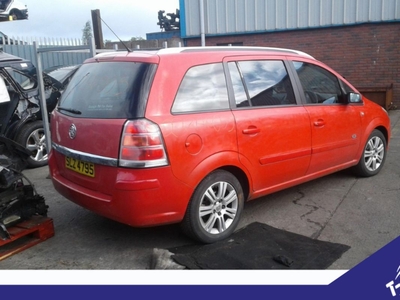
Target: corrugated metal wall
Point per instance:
(224, 17)
(24, 48)
(48, 59)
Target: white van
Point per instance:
(13, 10)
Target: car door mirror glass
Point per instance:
(354, 98)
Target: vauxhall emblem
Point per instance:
(72, 131)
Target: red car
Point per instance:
(189, 134)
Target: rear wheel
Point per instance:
(373, 156)
(214, 210)
(33, 138)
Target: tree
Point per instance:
(136, 38)
(87, 33)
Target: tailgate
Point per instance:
(87, 150)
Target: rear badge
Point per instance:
(72, 131)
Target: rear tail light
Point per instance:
(142, 145)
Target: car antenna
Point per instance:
(126, 47)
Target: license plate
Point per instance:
(81, 167)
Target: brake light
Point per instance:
(142, 145)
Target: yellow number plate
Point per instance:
(82, 167)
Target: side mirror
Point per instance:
(354, 98)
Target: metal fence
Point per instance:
(23, 47)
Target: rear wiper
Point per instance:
(71, 110)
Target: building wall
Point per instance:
(368, 55)
(222, 17)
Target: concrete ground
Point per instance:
(362, 213)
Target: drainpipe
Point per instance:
(202, 31)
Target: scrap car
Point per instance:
(19, 199)
(20, 111)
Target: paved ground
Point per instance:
(360, 212)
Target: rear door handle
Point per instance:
(251, 130)
(319, 123)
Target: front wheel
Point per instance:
(33, 138)
(373, 156)
(215, 208)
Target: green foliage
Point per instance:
(87, 33)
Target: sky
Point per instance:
(66, 19)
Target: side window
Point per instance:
(346, 87)
(26, 82)
(319, 85)
(261, 83)
(238, 87)
(202, 89)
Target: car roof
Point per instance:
(154, 55)
(5, 57)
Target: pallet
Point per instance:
(25, 235)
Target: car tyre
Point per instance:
(33, 138)
(16, 15)
(373, 156)
(214, 209)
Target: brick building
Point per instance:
(358, 38)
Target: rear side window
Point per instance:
(108, 90)
(202, 89)
(261, 83)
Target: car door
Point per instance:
(200, 131)
(273, 131)
(335, 125)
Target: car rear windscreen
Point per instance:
(108, 90)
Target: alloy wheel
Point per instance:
(218, 207)
(374, 153)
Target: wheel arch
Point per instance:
(375, 125)
(15, 128)
(241, 176)
(228, 161)
(384, 132)
(15, 11)
(379, 127)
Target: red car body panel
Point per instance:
(271, 147)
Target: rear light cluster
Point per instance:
(142, 145)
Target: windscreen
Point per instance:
(108, 90)
(24, 73)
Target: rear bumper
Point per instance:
(146, 200)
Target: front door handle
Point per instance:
(251, 130)
(319, 123)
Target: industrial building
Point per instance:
(358, 38)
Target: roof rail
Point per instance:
(232, 48)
